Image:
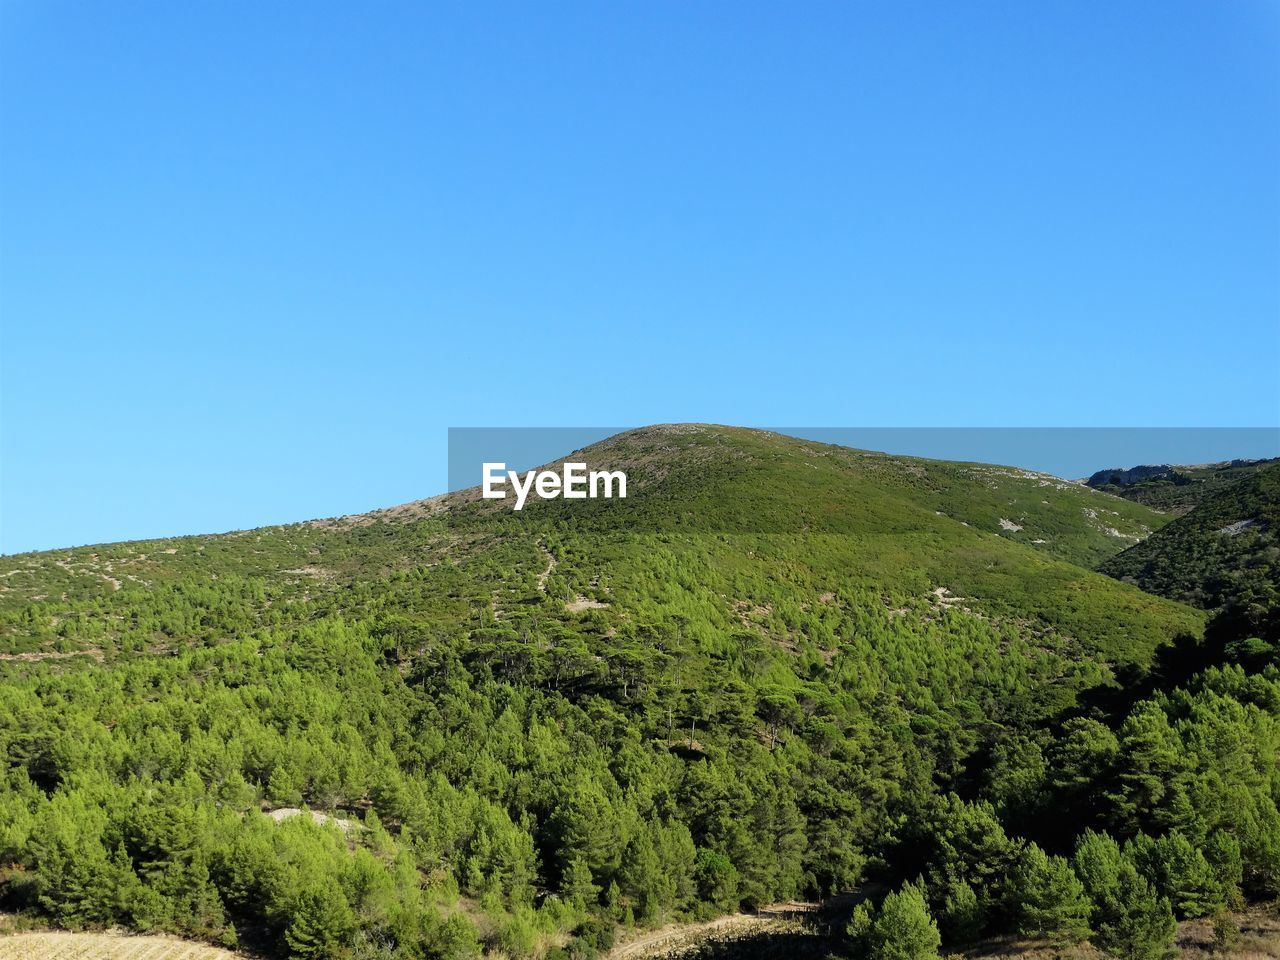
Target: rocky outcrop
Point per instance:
(1121, 477)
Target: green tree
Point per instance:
(585, 826)
(1152, 782)
(1180, 873)
(717, 879)
(578, 885)
(1128, 917)
(902, 928)
(1047, 899)
(1222, 850)
(963, 915)
(970, 863)
(320, 923)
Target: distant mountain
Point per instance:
(1226, 548)
(1174, 489)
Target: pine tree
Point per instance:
(1130, 920)
(903, 928)
(717, 879)
(1152, 771)
(1047, 899)
(320, 922)
(1140, 927)
(1222, 850)
(1180, 873)
(963, 916)
(578, 886)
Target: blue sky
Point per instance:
(256, 258)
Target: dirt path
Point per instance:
(1259, 928)
(676, 936)
(551, 565)
(792, 916)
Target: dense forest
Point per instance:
(777, 670)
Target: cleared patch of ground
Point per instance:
(1237, 528)
(112, 945)
(284, 813)
(35, 656)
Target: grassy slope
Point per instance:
(901, 525)
(748, 479)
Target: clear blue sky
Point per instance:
(255, 258)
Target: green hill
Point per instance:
(992, 537)
(776, 669)
(1226, 548)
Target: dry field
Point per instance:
(58, 945)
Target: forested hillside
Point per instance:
(1176, 489)
(1226, 550)
(777, 669)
